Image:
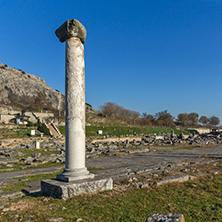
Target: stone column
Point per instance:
(74, 34)
(75, 178)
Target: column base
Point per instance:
(74, 175)
(64, 190)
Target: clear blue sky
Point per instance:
(145, 55)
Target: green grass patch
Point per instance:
(23, 166)
(171, 148)
(19, 186)
(17, 132)
(92, 131)
(118, 131)
(29, 152)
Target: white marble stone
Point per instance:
(75, 179)
(75, 113)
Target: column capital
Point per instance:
(69, 29)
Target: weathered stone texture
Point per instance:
(63, 190)
(75, 179)
(74, 33)
(175, 178)
(17, 85)
(165, 218)
(71, 28)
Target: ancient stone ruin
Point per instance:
(75, 178)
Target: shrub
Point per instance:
(43, 129)
(30, 124)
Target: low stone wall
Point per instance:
(119, 139)
(7, 115)
(42, 116)
(202, 130)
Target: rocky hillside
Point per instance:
(21, 90)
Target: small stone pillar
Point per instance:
(172, 134)
(37, 144)
(74, 34)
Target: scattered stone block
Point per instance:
(37, 145)
(33, 187)
(8, 160)
(11, 195)
(32, 132)
(100, 132)
(175, 178)
(159, 137)
(14, 154)
(36, 155)
(15, 216)
(59, 219)
(165, 218)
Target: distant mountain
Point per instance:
(21, 90)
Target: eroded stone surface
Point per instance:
(165, 218)
(74, 33)
(63, 190)
(175, 178)
(71, 28)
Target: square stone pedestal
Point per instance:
(63, 190)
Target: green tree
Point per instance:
(43, 129)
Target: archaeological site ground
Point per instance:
(153, 172)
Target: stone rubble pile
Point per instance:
(13, 152)
(97, 149)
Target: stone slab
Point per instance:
(64, 190)
(6, 160)
(165, 217)
(70, 178)
(175, 178)
(15, 175)
(33, 187)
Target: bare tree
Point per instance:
(203, 120)
(113, 110)
(214, 121)
(147, 119)
(109, 109)
(133, 115)
(193, 119)
(183, 119)
(164, 118)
